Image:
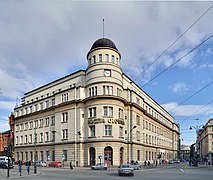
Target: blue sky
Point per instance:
(41, 41)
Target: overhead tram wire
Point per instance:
(196, 111)
(179, 60)
(174, 42)
(192, 95)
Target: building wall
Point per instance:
(64, 113)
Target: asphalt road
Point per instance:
(172, 172)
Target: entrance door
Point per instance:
(108, 155)
(121, 155)
(92, 156)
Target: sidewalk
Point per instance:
(14, 174)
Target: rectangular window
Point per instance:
(53, 120)
(47, 104)
(100, 57)
(26, 110)
(108, 111)
(94, 59)
(36, 123)
(64, 117)
(113, 59)
(138, 155)
(17, 128)
(108, 130)
(92, 112)
(41, 123)
(21, 140)
(47, 136)
(26, 140)
(93, 91)
(65, 134)
(107, 57)
(120, 113)
(92, 131)
(64, 97)
(36, 107)
(53, 102)
(108, 90)
(30, 138)
(47, 121)
(138, 135)
(31, 109)
(121, 131)
(41, 106)
(41, 137)
(17, 140)
(138, 120)
(25, 126)
(21, 127)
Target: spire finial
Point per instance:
(103, 28)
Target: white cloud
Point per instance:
(179, 88)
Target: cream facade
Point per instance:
(205, 140)
(93, 115)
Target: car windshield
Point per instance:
(125, 166)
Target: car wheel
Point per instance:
(132, 174)
(139, 167)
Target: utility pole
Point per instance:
(35, 139)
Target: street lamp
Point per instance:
(63, 145)
(129, 141)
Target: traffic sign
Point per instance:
(100, 157)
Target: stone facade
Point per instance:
(93, 115)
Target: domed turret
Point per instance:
(103, 43)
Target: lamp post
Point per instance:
(35, 154)
(129, 140)
(63, 146)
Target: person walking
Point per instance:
(28, 164)
(71, 166)
(19, 166)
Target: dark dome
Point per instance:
(103, 43)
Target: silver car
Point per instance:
(99, 166)
(136, 165)
(125, 169)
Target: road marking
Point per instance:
(182, 170)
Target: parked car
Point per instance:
(171, 161)
(136, 165)
(55, 164)
(43, 164)
(4, 162)
(125, 169)
(99, 166)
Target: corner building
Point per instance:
(93, 115)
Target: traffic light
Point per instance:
(6, 149)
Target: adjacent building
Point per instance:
(4, 140)
(93, 115)
(205, 140)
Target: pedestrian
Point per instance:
(28, 164)
(19, 166)
(145, 163)
(71, 166)
(148, 164)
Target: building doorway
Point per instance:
(121, 155)
(92, 156)
(108, 155)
